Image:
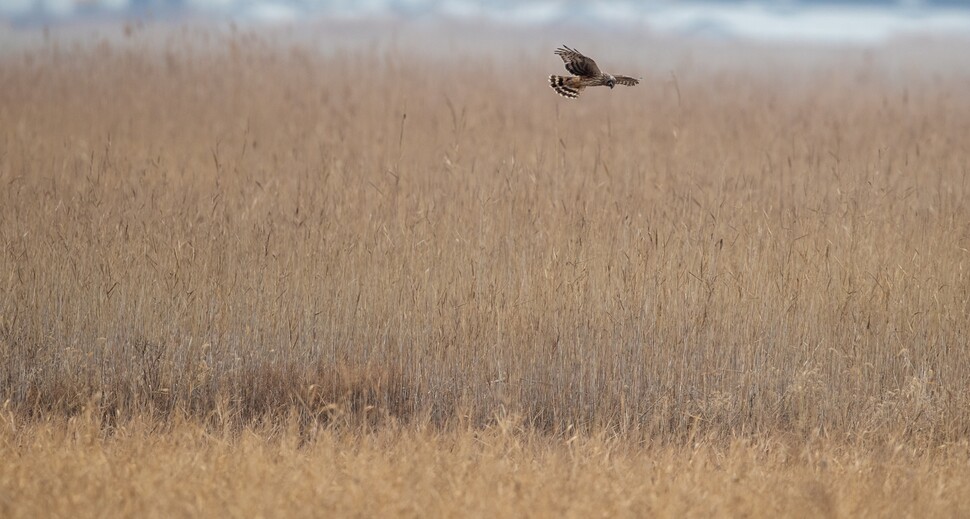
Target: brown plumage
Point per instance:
(587, 73)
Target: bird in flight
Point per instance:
(587, 73)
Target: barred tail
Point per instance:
(561, 86)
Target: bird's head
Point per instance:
(610, 81)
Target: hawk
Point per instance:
(587, 73)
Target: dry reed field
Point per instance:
(245, 278)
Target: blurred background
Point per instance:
(826, 22)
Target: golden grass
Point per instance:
(70, 471)
(374, 254)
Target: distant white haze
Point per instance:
(861, 21)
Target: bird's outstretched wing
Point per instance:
(626, 80)
(578, 64)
